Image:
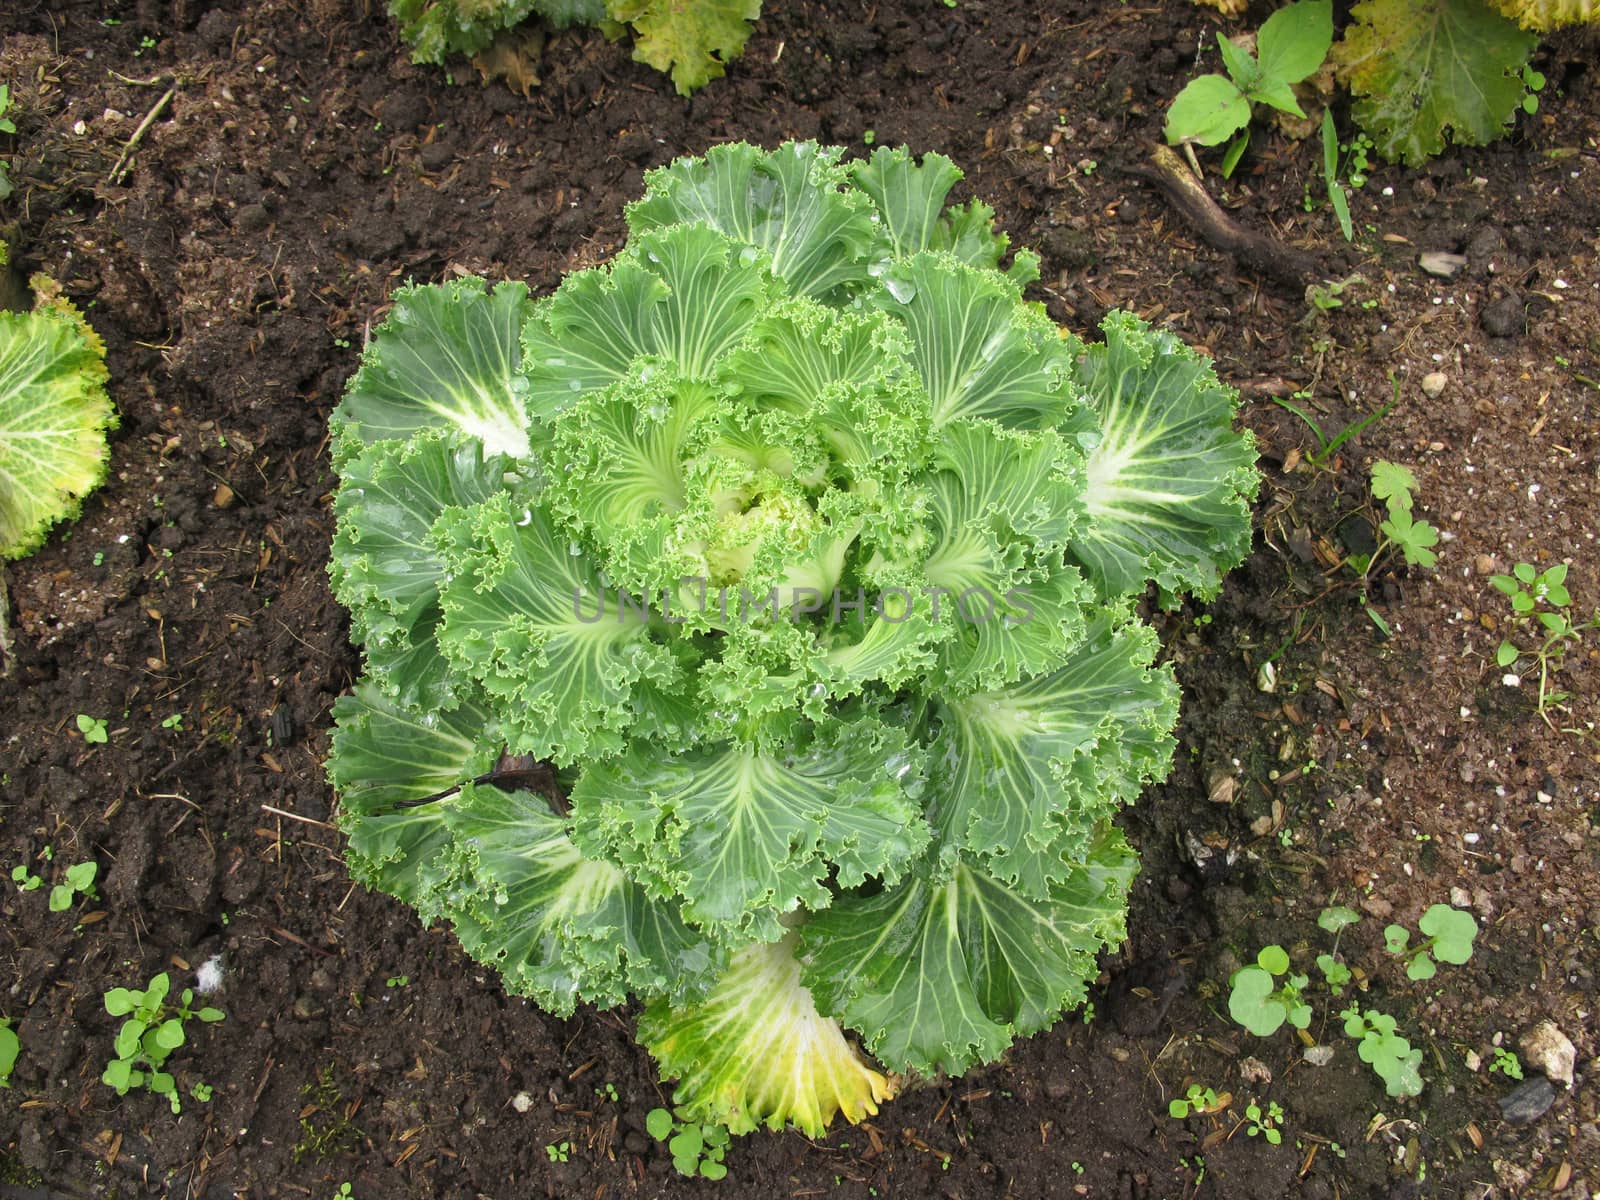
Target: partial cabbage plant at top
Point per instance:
(805, 552)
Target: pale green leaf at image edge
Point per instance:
(54, 419)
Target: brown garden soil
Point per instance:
(289, 167)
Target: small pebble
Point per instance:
(1504, 318)
(1433, 384)
(1442, 265)
(1529, 1102)
(1484, 564)
(1551, 1051)
(1318, 1056)
(522, 1102)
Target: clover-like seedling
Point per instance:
(1197, 1099)
(1261, 1004)
(93, 729)
(79, 881)
(696, 1149)
(1385, 1051)
(1529, 587)
(1266, 1124)
(152, 1031)
(10, 1047)
(1542, 596)
(1506, 1062)
(1450, 933)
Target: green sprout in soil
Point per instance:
(1541, 607)
(345, 1192)
(397, 981)
(1399, 531)
(696, 1149)
(1505, 1061)
(1327, 446)
(79, 881)
(325, 1126)
(1335, 920)
(559, 1152)
(1267, 1124)
(1385, 1051)
(152, 1031)
(1394, 485)
(1290, 45)
(607, 1091)
(25, 879)
(1450, 933)
(93, 729)
(175, 721)
(1197, 1099)
(10, 1047)
(1260, 1003)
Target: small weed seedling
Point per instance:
(1357, 160)
(695, 1149)
(175, 721)
(152, 1031)
(1260, 1003)
(79, 881)
(1197, 1100)
(558, 1152)
(325, 1126)
(1335, 920)
(607, 1091)
(1290, 45)
(1267, 1124)
(1330, 173)
(1449, 932)
(1542, 597)
(345, 1192)
(10, 1047)
(1399, 531)
(25, 879)
(1394, 485)
(1327, 446)
(1385, 1051)
(93, 729)
(1505, 1061)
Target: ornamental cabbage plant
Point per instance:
(750, 625)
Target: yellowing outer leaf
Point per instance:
(1545, 15)
(756, 1051)
(54, 417)
(1421, 67)
(690, 38)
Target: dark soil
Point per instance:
(233, 259)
